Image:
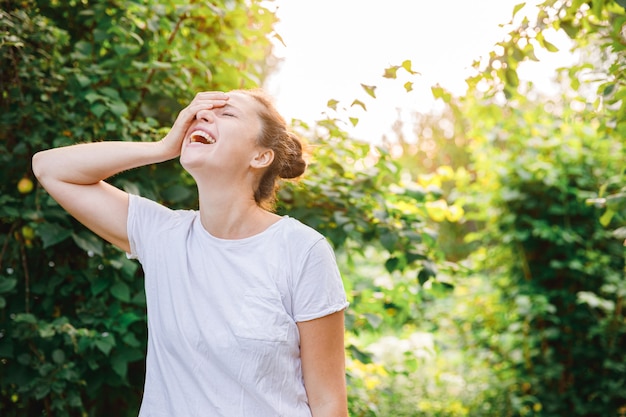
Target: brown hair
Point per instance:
(275, 135)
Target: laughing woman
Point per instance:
(245, 307)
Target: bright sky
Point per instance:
(332, 46)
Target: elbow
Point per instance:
(37, 165)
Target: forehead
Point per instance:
(244, 102)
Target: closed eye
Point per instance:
(228, 111)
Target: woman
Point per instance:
(245, 308)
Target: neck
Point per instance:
(232, 213)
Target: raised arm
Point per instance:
(74, 175)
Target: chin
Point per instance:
(195, 166)
(189, 163)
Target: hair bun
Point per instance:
(294, 165)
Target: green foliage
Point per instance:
(72, 309)
(532, 323)
(540, 164)
(551, 247)
(356, 195)
(539, 323)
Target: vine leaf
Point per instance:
(357, 102)
(369, 89)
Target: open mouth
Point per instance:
(201, 136)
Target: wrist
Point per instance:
(168, 149)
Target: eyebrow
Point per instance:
(228, 106)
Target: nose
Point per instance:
(205, 115)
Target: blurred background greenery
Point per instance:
(483, 256)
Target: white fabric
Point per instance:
(222, 314)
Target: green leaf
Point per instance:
(358, 103)
(596, 7)
(92, 96)
(131, 340)
(511, 77)
(607, 89)
(414, 256)
(82, 79)
(119, 365)
(41, 390)
(332, 103)
(550, 47)
(58, 356)
(392, 264)
(7, 284)
(83, 48)
(375, 320)
(105, 343)
(407, 65)
(428, 271)
(99, 284)
(52, 233)
(440, 92)
(25, 318)
(606, 218)
(441, 288)
(569, 27)
(121, 291)
(118, 108)
(389, 240)
(126, 319)
(358, 354)
(88, 242)
(391, 72)
(110, 92)
(280, 38)
(408, 86)
(369, 89)
(98, 109)
(125, 265)
(354, 120)
(518, 7)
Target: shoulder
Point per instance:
(296, 231)
(304, 245)
(146, 213)
(150, 224)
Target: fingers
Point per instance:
(205, 100)
(211, 95)
(210, 99)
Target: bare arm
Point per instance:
(74, 175)
(323, 365)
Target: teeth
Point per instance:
(202, 137)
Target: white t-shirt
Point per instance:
(222, 334)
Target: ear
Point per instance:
(262, 159)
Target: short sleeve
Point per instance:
(318, 290)
(145, 219)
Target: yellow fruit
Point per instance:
(25, 186)
(28, 233)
